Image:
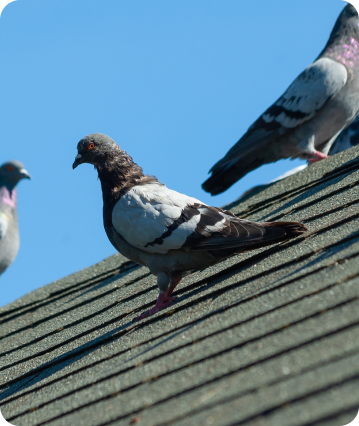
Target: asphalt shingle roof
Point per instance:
(269, 337)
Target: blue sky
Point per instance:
(174, 83)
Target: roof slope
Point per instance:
(269, 337)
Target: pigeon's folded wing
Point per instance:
(3, 225)
(219, 230)
(156, 219)
(309, 92)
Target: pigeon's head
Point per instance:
(349, 17)
(346, 24)
(96, 149)
(349, 11)
(12, 172)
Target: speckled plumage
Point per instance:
(306, 120)
(10, 174)
(170, 233)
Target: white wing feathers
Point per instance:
(152, 218)
(308, 93)
(156, 219)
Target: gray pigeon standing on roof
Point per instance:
(10, 174)
(305, 121)
(170, 233)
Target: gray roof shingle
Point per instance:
(269, 337)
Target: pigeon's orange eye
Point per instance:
(91, 146)
(9, 168)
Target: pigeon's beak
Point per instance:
(24, 174)
(77, 161)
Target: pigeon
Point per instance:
(305, 121)
(170, 233)
(10, 174)
(347, 139)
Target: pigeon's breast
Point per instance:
(9, 247)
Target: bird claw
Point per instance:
(317, 156)
(161, 304)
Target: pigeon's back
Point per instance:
(305, 121)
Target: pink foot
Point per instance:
(170, 298)
(162, 302)
(317, 156)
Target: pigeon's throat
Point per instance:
(8, 197)
(116, 177)
(117, 181)
(347, 53)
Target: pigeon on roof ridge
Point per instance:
(10, 174)
(170, 233)
(305, 121)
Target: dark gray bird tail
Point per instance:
(224, 176)
(291, 229)
(276, 232)
(273, 233)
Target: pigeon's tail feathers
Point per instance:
(254, 149)
(277, 232)
(225, 174)
(274, 232)
(271, 233)
(291, 229)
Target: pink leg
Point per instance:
(164, 300)
(172, 286)
(317, 156)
